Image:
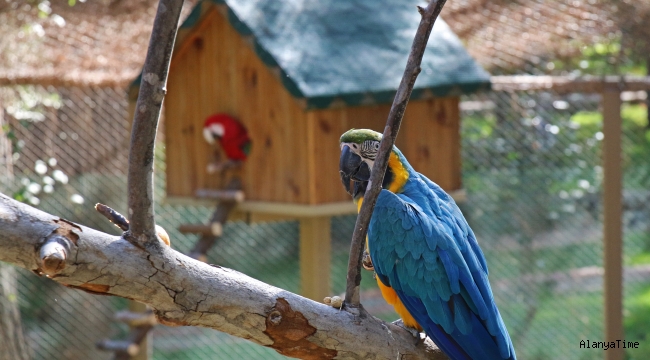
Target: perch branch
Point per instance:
(429, 16)
(135, 319)
(210, 233)
(145, 122)
(221, 195)
(122, 346)
(186, 292)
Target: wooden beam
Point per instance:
(289, 210)
(612, 220)
(212, 229)
(220, 195)
(315, 257)
(584, 84)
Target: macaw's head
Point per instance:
(215, 127)
(359, 148)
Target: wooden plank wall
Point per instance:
(429, 138)
(295, 153)
(219, 72)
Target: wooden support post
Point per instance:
(612, 221)
(315, 257)
(145, 344)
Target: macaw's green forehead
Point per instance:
(360, 135)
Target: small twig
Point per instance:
(429, 16)
(145, 122)
(113, 216)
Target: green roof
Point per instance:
(352, 50)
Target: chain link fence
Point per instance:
(533, 174)
(531, 168)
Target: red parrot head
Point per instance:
(232, 135)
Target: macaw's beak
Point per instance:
(352, 168)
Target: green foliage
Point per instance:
(477, 127)
(604, 57)
(29, 104)
(637, 318)
(640, 259)
(588, 118)
(532, 169)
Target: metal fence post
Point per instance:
(612, 220)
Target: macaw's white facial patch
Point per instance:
(207, 134)
(366, 156)
(369, 149)
(212, 130)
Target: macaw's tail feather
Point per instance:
(476, 345)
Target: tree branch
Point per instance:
(145, 122)
(184, 291)
(429, 16)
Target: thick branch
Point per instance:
(184, 291)
(429, 16)
(145, 121)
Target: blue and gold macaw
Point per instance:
(427, 260)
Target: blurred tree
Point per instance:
(12, 340)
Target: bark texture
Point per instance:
(145, 121)
(187, 292)
(429, 16)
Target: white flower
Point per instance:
(77, 199)
(40, 167)
(34, 188)
(60, 176)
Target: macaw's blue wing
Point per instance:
(428, 254)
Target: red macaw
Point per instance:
(232, 136)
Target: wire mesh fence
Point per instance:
(532, 171)
(531, 168)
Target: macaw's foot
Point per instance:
(366, 261)
(412, 331)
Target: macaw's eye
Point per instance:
(355, 146)
(376, 146)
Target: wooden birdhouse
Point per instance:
(298, 75)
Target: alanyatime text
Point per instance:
(605, 345)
